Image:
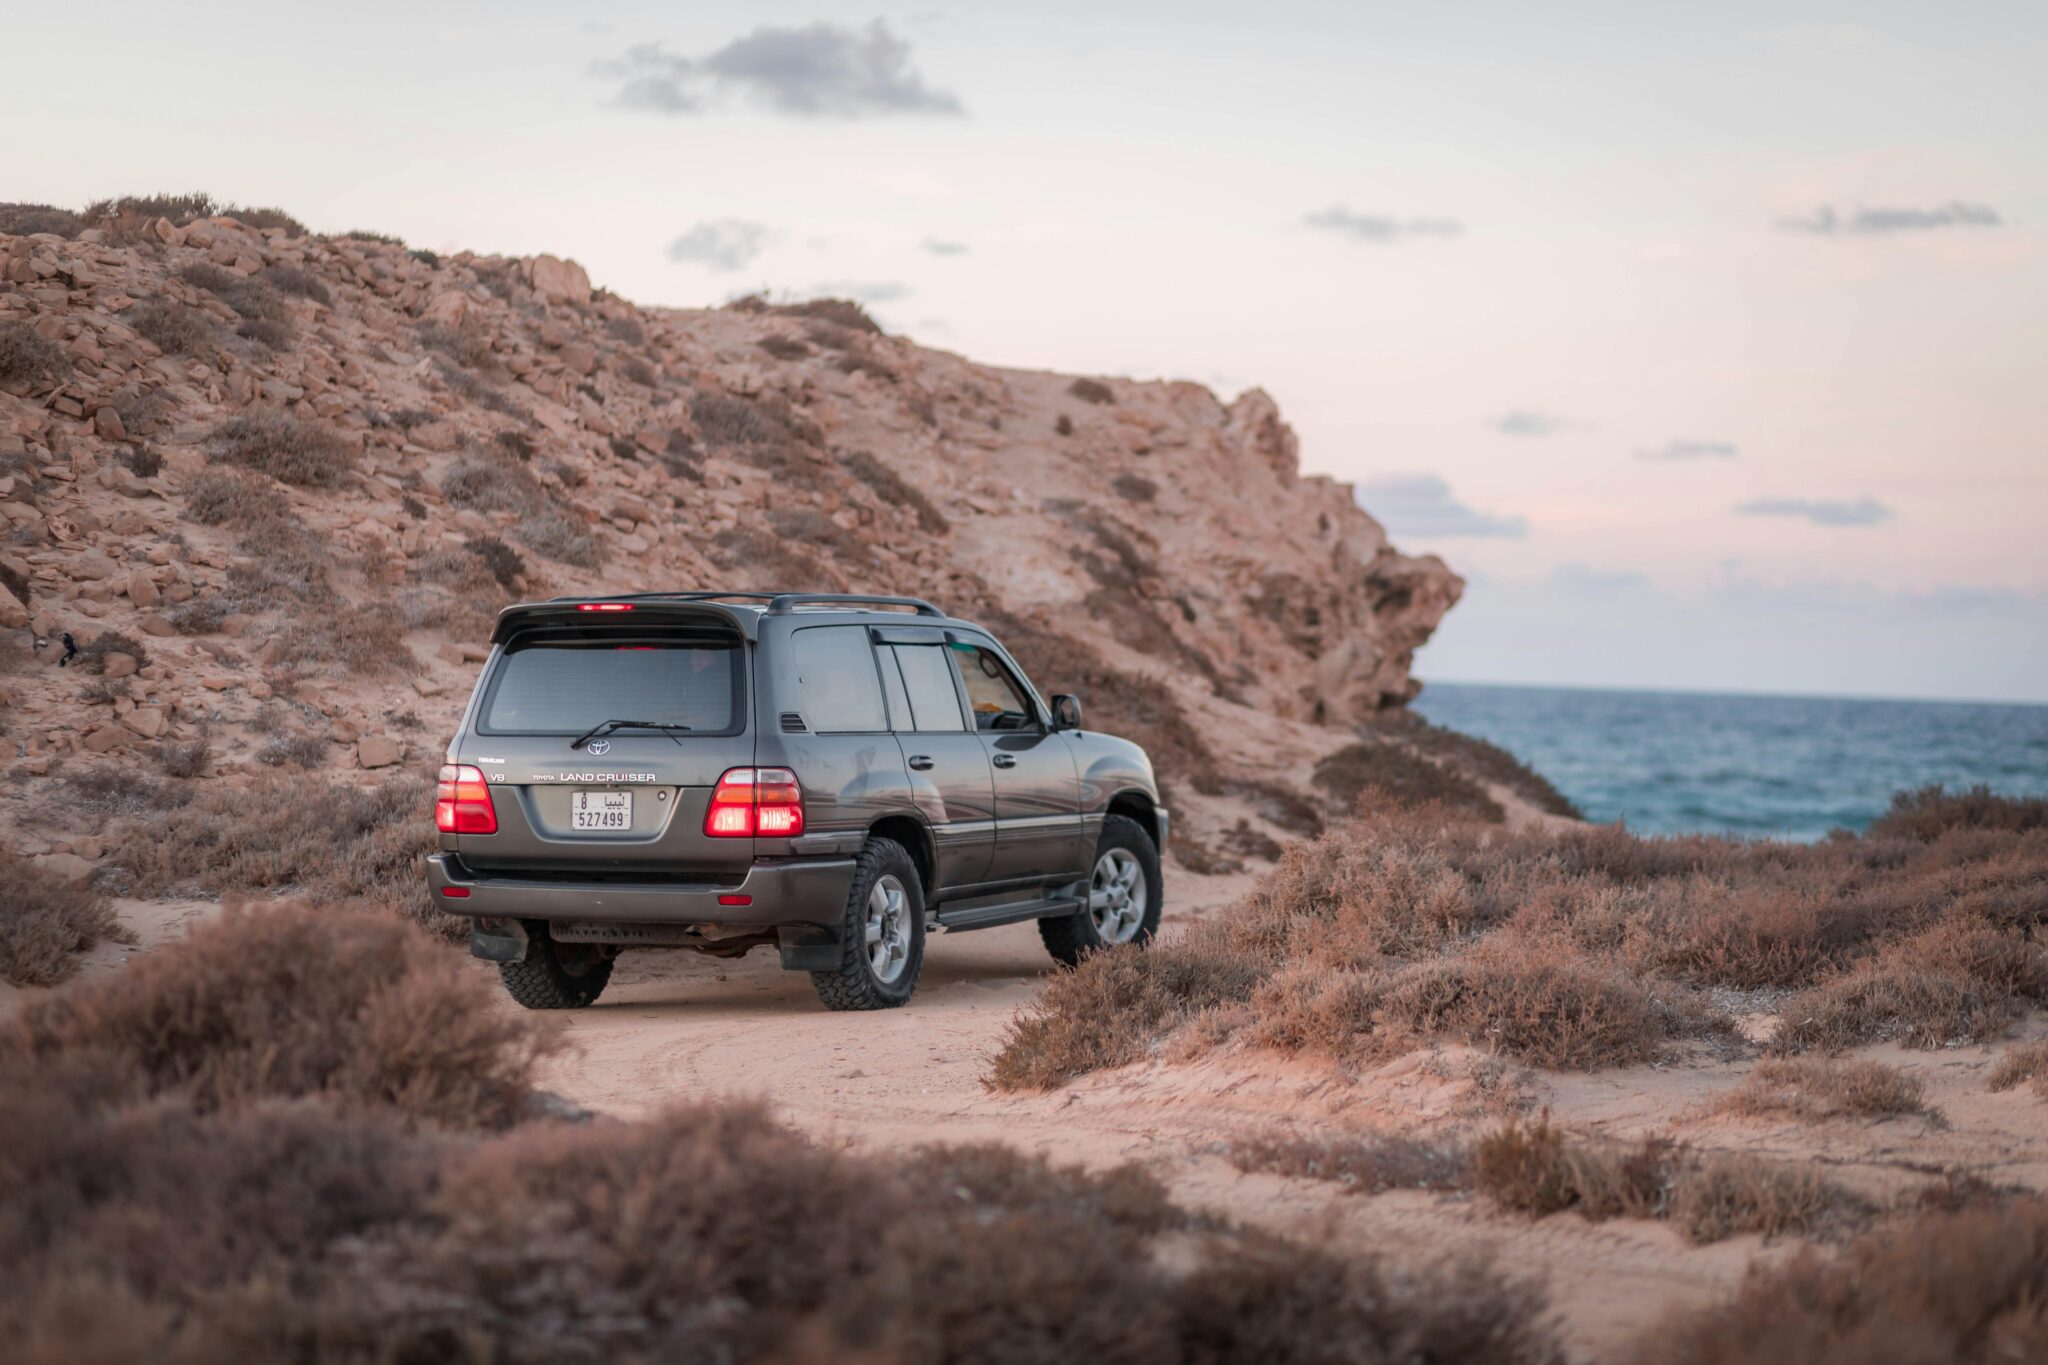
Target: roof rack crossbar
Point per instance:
(787, 602)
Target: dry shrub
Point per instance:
(1968, 1287)
(327, 840)
(26, 356)
(47, 920)
(1063, 425)
(251, 297)
(836, 312)
(765, 431)
(503, 562)
(517, 444)
(1957, 981)
(289, 1001)
(1092, 391)
(555, 535)
(1399, 776)
(895, 491)
(176, 328)
(1135, 487)
(1367, 1165)
(784, 348)
(185, 758)
(1112, 1008)
(1817, 1088)
(490, 486)
(233, 497)
(280, 445)
(290, 279)
(26, 220)
(1930, 812)
(468, 345)
(200, 616)
(2027, 1062)
(276, 335)
(1470, 754)
(1533, 1169)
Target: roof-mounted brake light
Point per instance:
(604, 606)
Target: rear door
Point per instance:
(1038, 792)
(949, 770)
(629, 803)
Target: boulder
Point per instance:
(557, 280)
(116, 664)
(377, 751)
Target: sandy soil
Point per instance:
(676, 1026)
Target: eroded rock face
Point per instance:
(299, 475)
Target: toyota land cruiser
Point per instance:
(829, 774)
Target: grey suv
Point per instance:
(830, 774)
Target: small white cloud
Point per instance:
(1375, 227)
(722, 244)
(936, 247)
(1679, 448)
(1523, 422)
(861, 291)
(1820, 511)
(1423, 505)
(1826, 221)
(817, 71)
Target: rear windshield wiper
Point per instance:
(594, 731)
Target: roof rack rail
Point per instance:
(670, 596)
(784, 603)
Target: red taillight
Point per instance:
(462, 802)
(751, 801)
(455, 893)
(735, 900)
(604, 606)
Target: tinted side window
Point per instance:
(928, 678)
(995, 698)
(837, 687)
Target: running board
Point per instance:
(988, 916)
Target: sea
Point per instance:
(1757, 766)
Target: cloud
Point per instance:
(1820, 511)
(820, 70)
(870, 291)
(1522, 422)
(1825, 221)
(1371, 227)
(936, 247)
(1584, 578)
(721, 243)
(1679, 448)
(1422, 505)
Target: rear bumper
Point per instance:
(801, 891)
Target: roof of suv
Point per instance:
(744, 609)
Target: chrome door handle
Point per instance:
(921, 762)
(1005, 760)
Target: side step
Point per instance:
(988, 916)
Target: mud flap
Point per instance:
(808, 947)
(498, 940)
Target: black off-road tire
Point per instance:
(854, 984)
(1070, 938)
(550, 979)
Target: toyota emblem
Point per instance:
(599, 746)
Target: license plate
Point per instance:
(601, 810)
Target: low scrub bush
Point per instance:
(176, 328)
(327, 840)
(233, 497)
(555, 535)
(92, 656)
(280, 445)
(1135, 487)
(1092, 391)
(1474, 755)
(1589, 947)
(1930, 812)
(288, 1001)
(490, 486)
(1817, 1088)
(27, 356)
(837, 312)
(895, 491)
(784, 348)
(1965, 1286)
(26, 220)
(47, 920)
(1394, 774)
(2025, 1063)
(290, 279)
(1368, 1165)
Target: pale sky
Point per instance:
(1708, 341)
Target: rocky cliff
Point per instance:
(274, 484)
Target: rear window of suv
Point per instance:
(564, 688)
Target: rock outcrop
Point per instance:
(276, 483)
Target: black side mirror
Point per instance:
(1066, 711)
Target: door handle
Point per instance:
(921, 762)
(1005, 760)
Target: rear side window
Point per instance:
(837, 687)
(565, 687)
(928, 679)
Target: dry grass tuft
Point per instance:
(26, 356)
(1966, 1286)
(1393, 774)
(290, 1001)
(1930, 812)
(895, 491)
(1368, 1165)
(1818, 1088)
(1092, 391)
(47, 920)
(1954, 982)
(280, 445)
(2027, 1062)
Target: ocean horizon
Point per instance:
(1759, 765)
